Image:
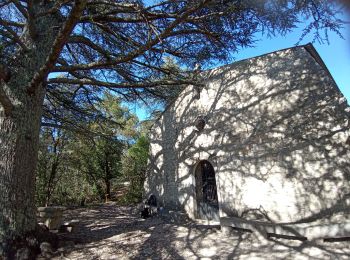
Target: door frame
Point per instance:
(195, 181)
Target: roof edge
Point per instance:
(265, 54)
(308, 47)
(316, 56)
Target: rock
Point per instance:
(22, 247)
(46, 249)
(69, 226)
(44, 235)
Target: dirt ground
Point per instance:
(115, 232)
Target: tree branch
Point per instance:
(57, 46)
(112, 3)
(118, 19)
(89, 43)
(11, 23)
(20, 8)
(52, 125)
(93, 82)
(31, 18)
(9, 33)
(142, 49)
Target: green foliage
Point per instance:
(100, 160)
(175, 73)
(82, 167)
(50, 168)
(134, 168)
(59, 181)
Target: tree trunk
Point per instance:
(19, 136)
(108, 190)
(50, 183)
(107, 179)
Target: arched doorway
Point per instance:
(206, 192)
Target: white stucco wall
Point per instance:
(276, 134)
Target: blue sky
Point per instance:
(336, 55)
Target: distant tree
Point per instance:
(134, 168)
(93, 156)
(59, 180)
(100, 159)
(52, 155)
(92, 45)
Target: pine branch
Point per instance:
(93, 82)
(57, 46)
(167, 32)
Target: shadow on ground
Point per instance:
(114, 232)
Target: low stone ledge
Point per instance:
(51, 216)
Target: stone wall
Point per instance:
(276, 133)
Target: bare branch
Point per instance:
(58, 44)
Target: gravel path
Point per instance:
(115, 232)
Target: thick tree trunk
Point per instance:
(19, 136)
(21, 97)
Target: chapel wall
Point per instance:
(276, 133)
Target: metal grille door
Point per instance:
(206, 192)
